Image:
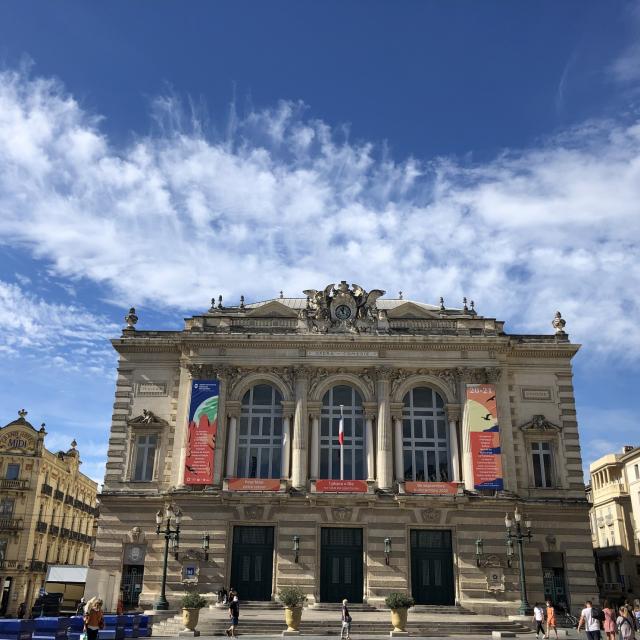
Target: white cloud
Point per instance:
(287, 203)
(65, 336)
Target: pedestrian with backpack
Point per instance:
(626, 624)
(346, 621)
(590, 618)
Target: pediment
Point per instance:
(410, 310)
(273, 309)
(148, 418)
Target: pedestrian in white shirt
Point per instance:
(538, 618)
(590, 622)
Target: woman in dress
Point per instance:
(551, 619)
(609, 620)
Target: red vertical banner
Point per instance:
(481, 421)
(201, 432)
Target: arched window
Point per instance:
(260, 437)
(425, 437)
(342, 401)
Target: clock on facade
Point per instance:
(343, 312)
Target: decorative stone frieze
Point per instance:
(539, 423)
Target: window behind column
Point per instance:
(542, 464)
(425, 437)
(260, 436)
(353, 450)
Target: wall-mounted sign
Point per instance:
(253, 484)
(341, 486)
(432, 488)
(17, 440)
(481, 420)
(201, 432)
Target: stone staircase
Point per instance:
(323, 619)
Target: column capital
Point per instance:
(233, 408)
(454, 411)
(370, 409)
(396, 410)
(314, 408)
(302, 372)
(384, 373)
(288, 408)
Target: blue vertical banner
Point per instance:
(202, 431)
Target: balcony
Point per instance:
(8, 564)
(16, 485)
(47, 489)
(68, 499)
(64, 532)
(612, 587)
(10, 524)
(41, 527)
(78, 504)
(53, 530)
(38, 566)
(58, 495)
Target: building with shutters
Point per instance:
(447, 422)
(48, 510)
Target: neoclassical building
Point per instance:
(350, 444)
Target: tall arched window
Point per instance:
(425, 437)
(343, 401)
(260, 437)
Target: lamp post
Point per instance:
(387, 550)
(173, 535)
(296, 548)
(519, 535)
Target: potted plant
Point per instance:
(292, 598)
(192, 602)
(399, 603)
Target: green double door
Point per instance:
(341, 559)
(432, 567)
(252, 562)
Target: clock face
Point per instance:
(343, 312)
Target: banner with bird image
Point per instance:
(201, 432)
(481, 422)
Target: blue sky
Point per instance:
(159, 153)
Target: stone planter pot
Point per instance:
(293, 617)
(399, 619)
(190, 618)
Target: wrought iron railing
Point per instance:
(18, 485)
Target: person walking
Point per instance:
(538, 618)
(609, 620)
(590, 622)
(22, 609)
(551, 619)
(93, 618)
(234, 614)
(345, 632)
(636, 613)
(626, 625)
(81, 605)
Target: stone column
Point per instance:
(385, 446)
(300, 429)
(287, 412)
(180, 434)
(453, 416)
(223, 425)
(370, 409)
(398, 448)
(233, 411)
(314, 409)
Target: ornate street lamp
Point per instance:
(519, 536)
(173, 535)
(205, 546)
(296, 547)
(479, 550)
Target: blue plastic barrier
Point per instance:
(132, 626)
(113, 628)
(50, 629)
(144, 630)
(16, 629)
(76, 625)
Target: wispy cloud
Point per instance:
(626, 67)
(286, 203)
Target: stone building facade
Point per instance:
(398, 506)
(48, 510)
(615, 523)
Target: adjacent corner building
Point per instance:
(348, 443)
(47, 512)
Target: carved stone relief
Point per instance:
(430, 515)
(253, 512)
(342, 514)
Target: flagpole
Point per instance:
(341, 442)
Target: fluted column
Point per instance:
(315, 447)
(370, 409)
(453, 415)
(385, 447)
(233, 411)
(467, 460)
(287, 412)
(300, 429)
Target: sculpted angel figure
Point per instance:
(366, 301)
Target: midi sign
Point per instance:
(202, 432)
(481, 421)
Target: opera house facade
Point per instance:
(351, 444)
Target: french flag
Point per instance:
(341, 431)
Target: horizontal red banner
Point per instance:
(432, 488)
(341, 486)
(253, 484)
